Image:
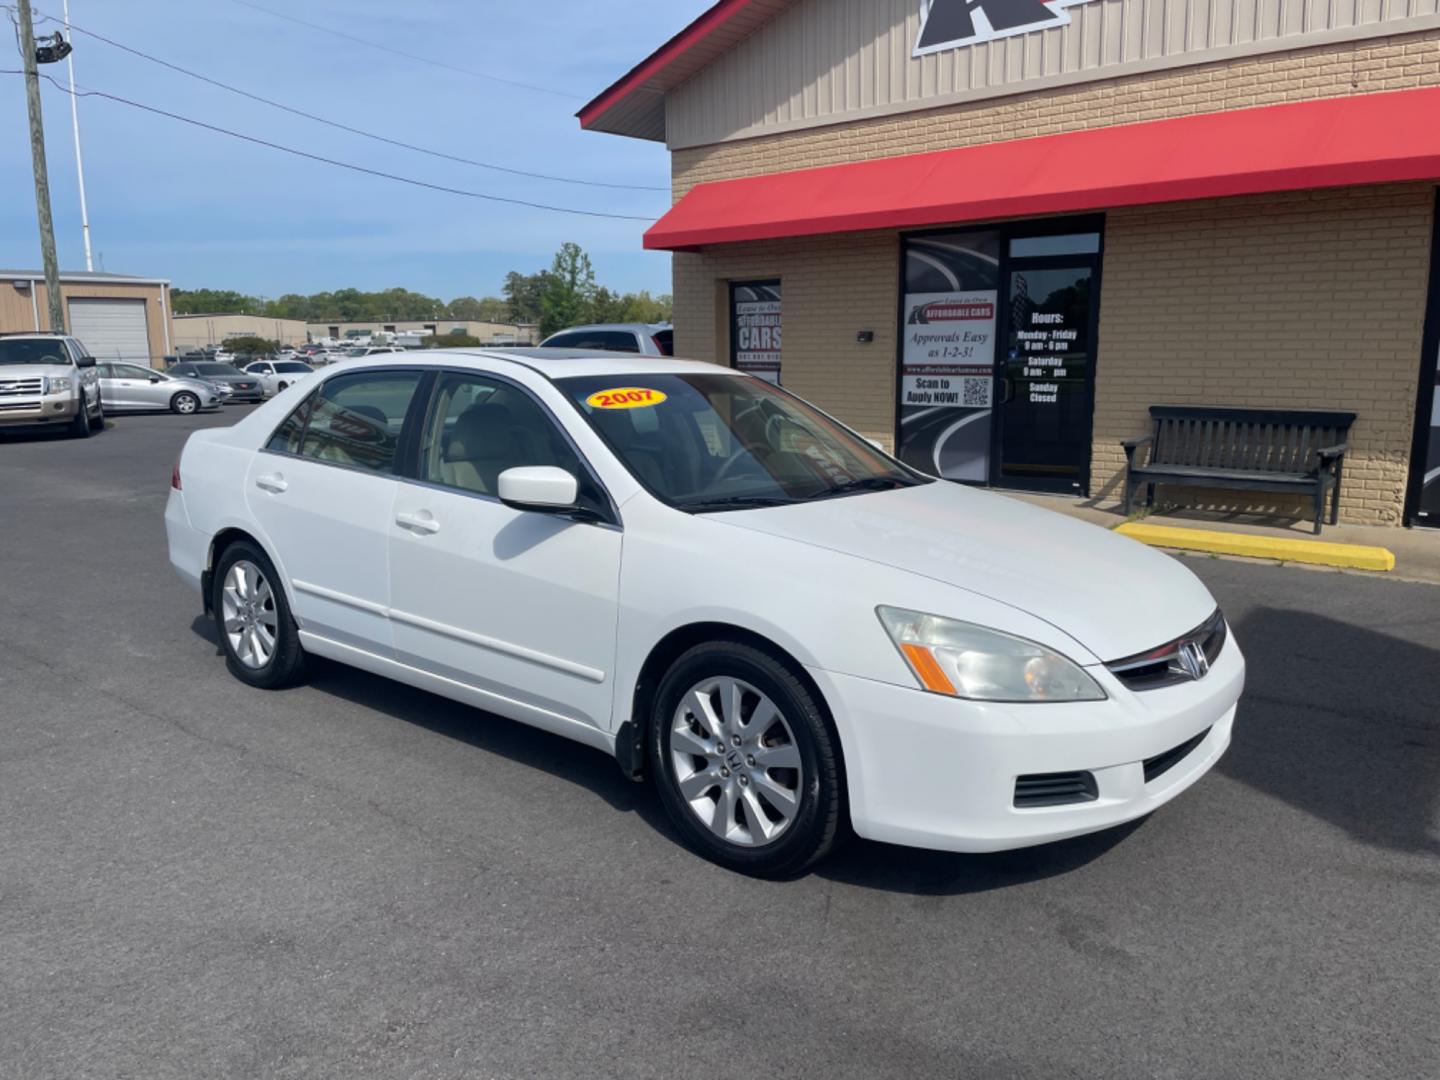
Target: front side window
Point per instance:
(720, 442)
(479, 427)
(292, 368)
(356, 419)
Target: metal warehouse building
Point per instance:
(993, 233)
(118, 317)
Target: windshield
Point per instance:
(214, 369)
(724, 442)
(32, 351)
(291, 368)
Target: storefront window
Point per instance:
(755, 325)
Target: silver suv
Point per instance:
(49, 379)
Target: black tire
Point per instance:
(99, 420)
(286, 666)
(282, 388)
(185, 403)
(815, 828)
(80, 427)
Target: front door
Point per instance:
(1046, 376)
(517, 604)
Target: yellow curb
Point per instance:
(1350, 556)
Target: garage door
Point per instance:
(112, 329)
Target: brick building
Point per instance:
(991, 233)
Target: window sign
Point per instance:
(947, 362)
(755, 320)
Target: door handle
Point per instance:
(276, 483)
(416, 523)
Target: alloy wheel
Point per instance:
(248, 614)
(737, 765)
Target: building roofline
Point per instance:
(78, 276)
(713, 32)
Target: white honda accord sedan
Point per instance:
(788, 630)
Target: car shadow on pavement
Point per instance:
(918, 872)
(564, 758)
(1340, 721)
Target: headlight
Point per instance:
(57, 384)
(968, 661)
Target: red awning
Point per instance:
(1364, 139)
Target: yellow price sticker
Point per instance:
(625, 397)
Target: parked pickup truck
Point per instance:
(49, 379)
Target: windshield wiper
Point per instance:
(734, 502)
(867, 483)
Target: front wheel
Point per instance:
(259, 637)
(184, 403)
(282, 388)
(745, 760)
(80, 427)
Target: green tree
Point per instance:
(251, 345)
(569, 294)
(523, 294)
(450, 341)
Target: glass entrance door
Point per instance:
(1047, 374)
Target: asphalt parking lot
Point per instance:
(354, 879)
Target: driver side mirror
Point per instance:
(543, 488)
(154, 378)
(85, 362)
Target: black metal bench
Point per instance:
(1281, 450)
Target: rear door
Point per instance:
(520, 605)
(323, 491)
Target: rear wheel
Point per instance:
(184, 403)
(745, 761)
(257, 633)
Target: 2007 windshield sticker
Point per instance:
(625, 397)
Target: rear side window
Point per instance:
(288, 436)
(356, 419)
(604, 340)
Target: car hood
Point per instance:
(1113, 595)
(31, 371)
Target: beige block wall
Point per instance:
(1302, 300)
(832, 288)
(17, 313)
(1394, 63)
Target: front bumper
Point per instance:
(236, 396)
(47, 410)
(935, 772)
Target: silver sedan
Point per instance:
(131, 387)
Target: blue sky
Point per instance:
(202, 209)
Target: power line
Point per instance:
(429, 61)
(353, 130)
(333, 161)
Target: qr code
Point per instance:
(975, 392)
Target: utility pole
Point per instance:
(42, 178)
(75, 126)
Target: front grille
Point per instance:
(17, 387)
(19, 406)
(1185, 659)
(1055, 789)
(1160, 764)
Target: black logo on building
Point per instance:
(948, 24)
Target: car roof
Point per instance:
(43, 335)
(551, 363)
(636, 327)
